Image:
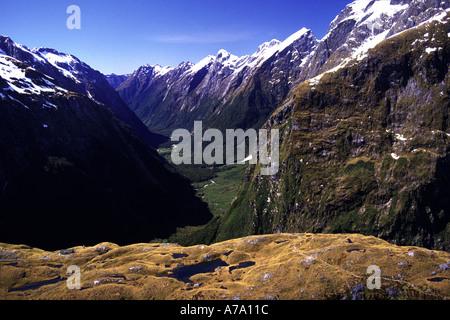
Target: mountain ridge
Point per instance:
(267, 97)
(78, 77)
(76, 162)
(226, 91)
(205, 86)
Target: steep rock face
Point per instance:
(364, 149)
(71, 164)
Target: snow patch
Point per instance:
(17, 80)
(316, 80)
(370, 43)
(203, 63)
(290, 40)
(438, 18)
(400, 137)
(368, 12)
(268, 50)
(65, 63)
(13, 99)
(161, 71)
(395, 156)
(49, 105)
(430, 50)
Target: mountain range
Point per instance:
(226, 91)
(364, 116)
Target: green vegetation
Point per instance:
(365, 150)
(217, 186)
(55, 164)
(220, 191)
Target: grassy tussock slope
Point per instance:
(283, 266)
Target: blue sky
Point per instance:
(119, 36)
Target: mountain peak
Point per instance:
(203, 63)
(267, 45)
(269, 49)
(156, 70)
(15, 50)
(368, 12)
(146, 69)
(5, 39)
(362, 25)
(227, 60)
(223, 53)
(296, 36)
(160, 71)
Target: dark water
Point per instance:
(14, 264)
(438, 279)
(37, 285)
(243, 265)
(183, 273)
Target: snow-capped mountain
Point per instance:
(227, 91)
(362, 25)
(222, 89)
(75, 161)
(27, 72)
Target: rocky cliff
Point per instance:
(365, 148)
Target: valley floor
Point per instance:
(275, 267)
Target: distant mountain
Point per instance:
(116, 80)
(225, 91)
(366, 144)
(75, 161)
